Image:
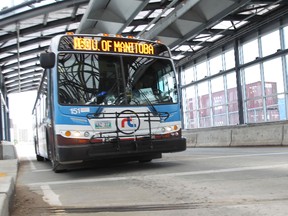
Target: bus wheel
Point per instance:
(39, 158)
(145, 161)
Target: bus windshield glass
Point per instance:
(101, 79)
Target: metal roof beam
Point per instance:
(194, 43)
(25, 87)
(110, 16)
(22, 70)
(29, 52)
(240, 17)
(31, 42)
(281, 12)
(27, 61)
(40, 11)
(212, 21)
(171, 18)
(24, 76)
(24, 84)
(189, 53)
(41, 27)
(141, 22)
(153, 6)
(25, 43)
(27, 79)
(18, 6)
(267, 1)
(218, 31)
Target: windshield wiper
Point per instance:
(148, 101)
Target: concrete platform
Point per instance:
(8, 175)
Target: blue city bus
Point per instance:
(106, 97)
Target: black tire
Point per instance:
(39, 158)
(145, 161)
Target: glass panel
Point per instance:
(203, 95)
(229, 59)
(270, 43)
(250, 51)
(285, 30)
(272, 109)
(231, 87)
(219, 116)
(218, 94)
(204, 104)
(254, 91)
(205, 120)
(255, 111)
(113, 80)
(201, 70)
(190, 119)
(233, 113)
(281, 106)
(253, 82)
(188, 75)
(215, 64)
(190, 106)
(218, 101)
(273, 76)
(191, 98)
(232, 98)
(185, 107)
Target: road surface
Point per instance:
(199, 181)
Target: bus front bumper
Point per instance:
(122, 149)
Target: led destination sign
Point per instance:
(119, 45)
(107, 45)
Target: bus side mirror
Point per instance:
(47, 60)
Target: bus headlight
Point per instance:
(76, 134)
(171, 128)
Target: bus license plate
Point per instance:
(103, 125)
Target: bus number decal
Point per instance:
(75, 111)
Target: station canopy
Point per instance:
(186, 26)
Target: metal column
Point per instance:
(238, 81)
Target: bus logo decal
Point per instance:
(127, 122)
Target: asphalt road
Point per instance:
(199, 181)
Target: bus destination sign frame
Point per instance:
(105, 44)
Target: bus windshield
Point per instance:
(101, 79)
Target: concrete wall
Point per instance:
(261, 134)
(8, 175)
(7, 151)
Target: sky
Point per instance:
(20, 108)
(20, 104)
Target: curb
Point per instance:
(8, 175)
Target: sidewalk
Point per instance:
(8, 175)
